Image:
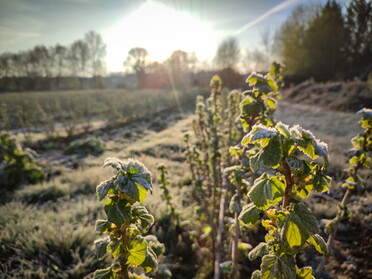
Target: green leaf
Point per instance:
(296, 164)
(271, 103)
(146, 220)
(259, 251)
(138, 210)
(283, 129)
(138, 173)
(260, 132)
(137, 250)
(151, 261)
(299, 225)
(278, 267)
(318, 242)
(114, 163)
(254, 78)
(118, 213)
(102, 226)
(155, 245)
(134, 191)
(235, 204)
(103, 188)
(266, 191)
(321, 149)
(305, 141)
(269, 156)
(304, 191)
(321, 181)
(250, 214)
(305, 273)
(114, 248)
(104, 274)
(101, 246)
(249, 107)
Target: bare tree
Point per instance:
(137, 60)
(60, 60)
(228, 53)
(78, 58)
(97, 51)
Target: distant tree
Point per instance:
(42, 61)
(178, 65)
(5, 70)
(78, 58)
(325, 42)
(20, 69)
(359, 37)
(228, 53)
(96, 53)
(227, 56)
(137, 60)
(291, 39)
(60, 63)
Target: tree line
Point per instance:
(326, 43)
(55, 67)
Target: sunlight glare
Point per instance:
(160, 30)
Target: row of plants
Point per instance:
(264, 170)
(69, 113)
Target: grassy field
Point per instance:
(47, 230)
(66, 113)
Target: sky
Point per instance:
(160, 26)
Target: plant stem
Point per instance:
(344, 202)
(289, 185)
(220, 229)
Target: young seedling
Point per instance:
(166, 194)
(126, 221)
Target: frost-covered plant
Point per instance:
(18, 166)
(126, 222)
(288, 160)
(257, 107)
(360, 157)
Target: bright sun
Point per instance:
(160, 30)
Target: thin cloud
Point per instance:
(274, 10)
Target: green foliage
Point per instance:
(291, 225)
(360, 157)
(258, 104)
(87, 146)
(166, 193)
(126, 221)
(18, 166)
(286, 163)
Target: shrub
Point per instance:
(18, 166)
(87, 146)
